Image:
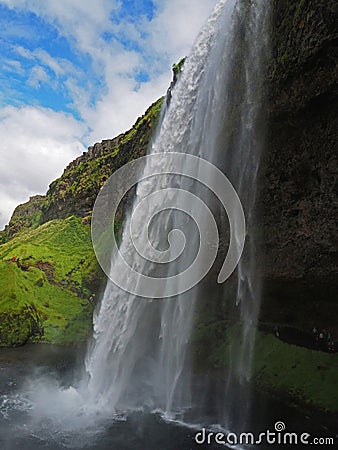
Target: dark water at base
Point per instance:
(41, 370)
(23, 367)
(137, 432)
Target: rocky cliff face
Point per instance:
(298, 172)
(297, 221)
(76, 190)
(74, 193)
(298, 197)
(49, 275)
(296, 217)
(27, 215)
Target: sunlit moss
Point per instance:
(54, 271)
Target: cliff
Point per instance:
(49, 274)
(46, 295)
(76, 190)
(296, 219)
(299, 188)
(298, 185)
(74, 193)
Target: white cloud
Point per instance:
(36, 145)
(163, 41)
(117, 110)
(175, 28)
(54, 64)
(38, 76)
(14, 66)
(41, 142)
(24, 52)
(59, 66)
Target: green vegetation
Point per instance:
(177, 69)
(76, 190)
(27, 215)
(292, 372)
(150, 118)
(48, 270)
(44, 293)
(74, 193)
(309, 375)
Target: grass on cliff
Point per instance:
(311, 376)
(291, 371)
(53, 277)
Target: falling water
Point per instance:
(140, 354)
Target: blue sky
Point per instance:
(37, 60)
(74, 72)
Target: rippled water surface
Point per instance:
(39, 409)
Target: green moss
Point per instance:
(56, 269)
(297, 373)
(150, 118)
(27, 215)
(84, 179)
(309, 375)
(177, 68)
(300, 9)
(17, 325)
(54, 273)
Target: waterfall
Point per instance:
(140, 356)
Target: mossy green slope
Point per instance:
(308, 375)
(296, 374)
(25, 216)
(44, 293)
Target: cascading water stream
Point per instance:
(140, 354)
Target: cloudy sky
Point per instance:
(74, 72)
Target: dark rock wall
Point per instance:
(76, 190)
(299, 185)
(299, 172)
